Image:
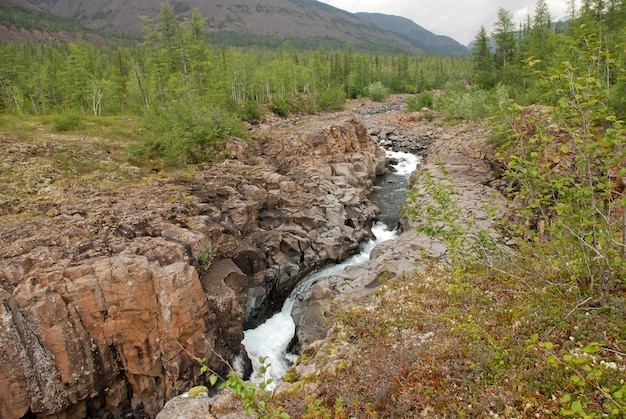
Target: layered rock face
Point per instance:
(463, 153)
(107, 297)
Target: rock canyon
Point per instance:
(110, 297)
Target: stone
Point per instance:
(186, 408)
(105, 303)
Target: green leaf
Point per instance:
(576, 379)
(591, 348)
(195, 391)
(577, 407)
(284, 415)
(212, 379)
(552, 360)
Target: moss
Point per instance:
(197, 390)
(291, 376)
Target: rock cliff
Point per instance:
(462, 150)
(108, 296)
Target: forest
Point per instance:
(176, 80)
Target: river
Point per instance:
(272, 338)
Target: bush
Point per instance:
(251, 111)
(377, 92)
(279, 106)
(469, 105)
(424, 100)
(66, 121)
(566, 162)
(181, 135)
(332, 99)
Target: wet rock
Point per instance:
(107, 300)
(469, 173)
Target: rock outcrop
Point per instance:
(108, 296)
(462, 151)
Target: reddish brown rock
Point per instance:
(107, 296)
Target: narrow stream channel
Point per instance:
(272, 338)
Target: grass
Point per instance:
(446, 343)
(41, 161)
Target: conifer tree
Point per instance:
(504, 37)
(483, 61)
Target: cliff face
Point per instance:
(108, 297)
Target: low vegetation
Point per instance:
(471, 343)
(42, 157)
(532, 331)
(538, 332)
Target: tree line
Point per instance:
(556, 95)
(175, 61)
(596, 28)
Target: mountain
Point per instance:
(22, 24)
(242, 21)
(418, 36)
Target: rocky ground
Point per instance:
(463, 151)
(108, 295)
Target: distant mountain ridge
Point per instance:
(415, 34)
(279, 19)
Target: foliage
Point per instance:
(205, 259)
(256, 399)
(483, 61)
(61, 155)
(197, 390)
(181, 135)
(569, 169)
(455, 343)
(332, 99)
(417, 103)
(67, 121)
(279, 106)
(439, 216)
(593, 389)
(191, 95)
(377, 92)
(251, 111)
(468, 104)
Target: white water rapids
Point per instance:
(272, 338)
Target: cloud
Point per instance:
(459, 19)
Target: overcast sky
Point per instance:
(459, 19)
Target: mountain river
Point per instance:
(272, 338)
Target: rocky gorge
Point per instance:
(109, 298)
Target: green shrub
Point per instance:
(565, 168)
(377, 92)
(417, 103)
(469, 105)
(66, 121)
(181, 135)
(279, 106)
(251, 111)
(332, 99)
